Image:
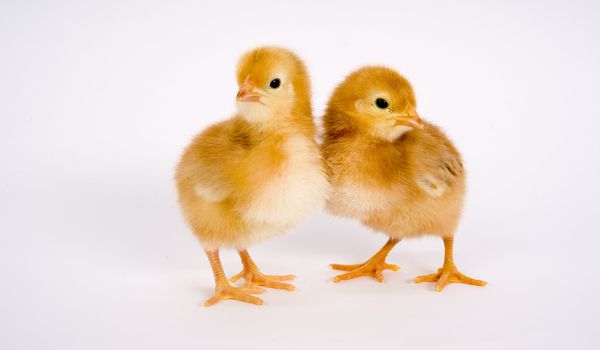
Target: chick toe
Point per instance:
(253, 277)
(371, 268)
(226, 292)
(449, 272)
(445, 276)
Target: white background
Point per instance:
(97, 101)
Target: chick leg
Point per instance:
(448, 273)
(223, 290)
(372, 267)
(254, 277)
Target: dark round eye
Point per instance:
(381, 103)
(275, 83)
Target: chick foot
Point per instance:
(448, 273)
(368, 269)
(373, 267)
(223, 290)
(253, 277)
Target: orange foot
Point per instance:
(256, 278)
(447, 275)
(225, 291)
(253, 277)
(371, 268)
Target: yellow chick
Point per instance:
(257, 174)
(392, 171)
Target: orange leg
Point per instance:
(372, 267)
(223, 290)
(254, 277)
(448, 273)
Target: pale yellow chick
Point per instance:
(257, 174)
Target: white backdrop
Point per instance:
(98, 99)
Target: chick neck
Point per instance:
(292, 121)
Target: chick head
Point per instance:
(376, 100)
(273, 83)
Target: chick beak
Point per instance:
(246, 93)
(411, 119)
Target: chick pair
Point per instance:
(261, 172)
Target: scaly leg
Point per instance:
(372, 267)
(254, 277)
(223, 290)
(448, 273)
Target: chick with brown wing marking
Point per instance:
(392, 171)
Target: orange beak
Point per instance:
(411, 119)
(246, 93)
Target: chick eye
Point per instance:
(275, 83)
(381, 103)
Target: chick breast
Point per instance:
(295, 190)
(238, 187)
